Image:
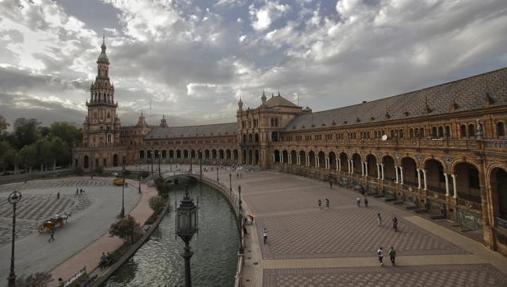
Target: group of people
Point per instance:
(319, 203)
(358, 201)
(392, 255)
(79, 191)
(394, 220)
(104, 261)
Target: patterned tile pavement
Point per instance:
(479, 275)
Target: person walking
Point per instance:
(327, 203)
(380, 255)
(51, 235)
(395, 224)
(358, 201)
(392, 255)
(330, 184)
(319, 203)
(379, 219)
(77, 191)
(365, 202)
(265, 234)
(57, 195)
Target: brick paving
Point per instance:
(480, 275)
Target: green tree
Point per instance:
(3, 124)
(67, 132)
(27, 156)
(157, 203)
(26, 132)
(60, 152)
(127, 229)
(7, 155)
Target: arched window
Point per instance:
(434, 132)
(447, 132)
(440, 132)
(463, 131)
(500, 129)
(471, 130)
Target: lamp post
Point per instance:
(218, 179)
(13, 199)
(230, 182)
(140, 177)
(159, 170)
(122, 212)
(186, 227)
(240, 214)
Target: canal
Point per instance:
(158, 261)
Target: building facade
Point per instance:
(440, 150)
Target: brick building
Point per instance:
(441, 150)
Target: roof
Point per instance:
(192, 131)
(277, 101)
(484, 90)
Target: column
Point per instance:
(307, 160)
(455, 194)
(362, 168)
(401, 174)
(365, 168)
(338, 164)
(446, 184)
(273, 158)
(382, 171)
(351, 166)
(317, 161)
(397, 174)
(327, 162)
(418, 178)
(378, 171)
(424, 179)
(289, 158)
(298, 159)
(281, 158)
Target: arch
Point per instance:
(302, 158)
(256, 137)
(435, 175)
(500, 129)
(293, 157)
(250, 156)
(409, 167)
(164, 154)
(256, 157)
(343, 162)
(243, 159)
(332, 160)
(236, 155)
(322, 159)
(185, 153)
(86, 162)
(463, 131)
(371, 161)
(468, 181)
(389, 168)
(277, 156)
(228, 154)
(356, 160)
(221, 154)
(471, 130)
(311, 158)
(192, 153)
(498, 181)
(178, 153)
(214, 154)
(285, 156)
(115, 160)
(141, 154)
(206, 154)
(171, 154)
(199, 154)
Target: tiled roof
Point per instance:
(489, 89)
(276, 101)
(192, 131)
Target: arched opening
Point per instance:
(409, 167)
(141, 154)
(498, 182)
(372, 165)
(467, 182)
(322, 159)
(285, 156)
(471, 130)
(178, 153)
(302, 158)
(243, 159)
(256, 157)
(250, 156)
(500, 129)
(277, 156)
(435, 175)
(199, 154)
(164, 154)
(115, 160)
(250, 138)
(192, 153)
(293, 157)
(389, 171)
(228, 154)
(343, 162)
(214, 154)
(463, 131)
(356, 160)
(86, 162)
(185, 154)
(221, 154)
(256, 138)
(332, 161)
(171, 154)
(206, 154)
(311, 158)
(236, 155)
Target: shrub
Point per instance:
(40, 279)
(127, 229)
(157, 203)
(162, 187)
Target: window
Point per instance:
(440, 132)
(447, 131)
(463, 131)
(471, 130)
(500, 129)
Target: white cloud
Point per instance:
(265, 15)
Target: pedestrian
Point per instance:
(57, 195)
(265, 234)
(365, 202)
(395, 224)
(392, 255)
(319, 202)
(358, 202)
(380, 255)
(330, 184)
(327, 203)
(77, 191)
(51, 235)
(103, 261)
(379, 219)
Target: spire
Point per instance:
(240, 104)
(163, 122)
(103, 57)
(263, 98)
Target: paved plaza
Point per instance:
(92, 213)
(336, 246)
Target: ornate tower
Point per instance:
(101, 126)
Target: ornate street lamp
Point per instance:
(122, 212)
(13, 199)
(186, 227)
(140, 177)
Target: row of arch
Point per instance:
(462, 180)
(217, 154)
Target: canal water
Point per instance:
(158, 262)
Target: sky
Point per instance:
(192, 60)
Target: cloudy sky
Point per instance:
(193, 59)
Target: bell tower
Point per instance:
(102, 125)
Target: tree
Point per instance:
(7, 155)
(60, 151)
(40, 279)
(26, 132)
(127, 229)
(67, 132)
(3, 124)
(157, 203)
(27, 155)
